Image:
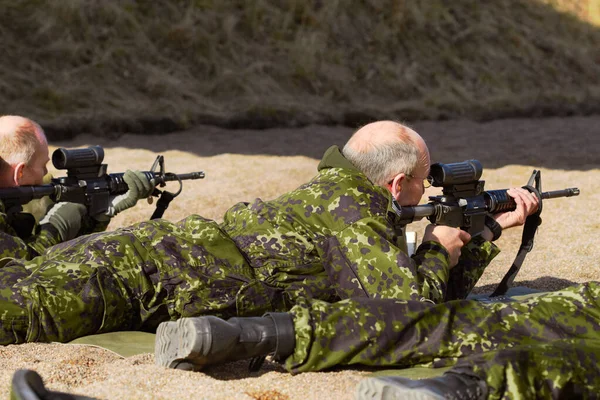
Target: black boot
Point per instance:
(28, 385)
(192, 343)
(447, 386)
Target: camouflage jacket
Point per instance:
(36, 239)
(337, 236)
(14, 246)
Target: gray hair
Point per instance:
(384, 160)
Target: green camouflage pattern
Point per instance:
(11, 245)
(333, 238)
(544, 346)
(342, 227)
(41, 238)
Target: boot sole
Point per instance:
(382, 389)
(182, 344)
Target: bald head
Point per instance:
(380, 133)
(22, 143)
(382, 149)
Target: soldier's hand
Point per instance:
(527, 204)
(139, 187)
(453, 239)
(66, 218)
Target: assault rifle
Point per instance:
(465, 204)
(87, 182)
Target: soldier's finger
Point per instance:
(464, 236)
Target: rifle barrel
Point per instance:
(27, 192)
(190, 175)
(569, 192)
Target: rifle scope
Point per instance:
(76, 158)
(456, 173)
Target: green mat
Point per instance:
(125, 344)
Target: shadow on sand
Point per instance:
(571, 143)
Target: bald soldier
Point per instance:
(23, 160)
(333, 238)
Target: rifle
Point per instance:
(465, 204)
(87, 182)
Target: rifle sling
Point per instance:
(162, 204)
(531, 224)
(534, 185)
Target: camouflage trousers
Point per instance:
(542, 347)
(129, 279)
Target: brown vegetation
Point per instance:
(102, 66)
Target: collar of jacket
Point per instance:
(333, 158)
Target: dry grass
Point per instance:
(82, 65)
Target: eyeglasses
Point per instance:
(426, 182)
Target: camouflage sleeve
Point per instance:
(11, 245)
(433, 266)
(474, 259)
(46, 236)
(383, 270)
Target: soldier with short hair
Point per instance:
(23, 161)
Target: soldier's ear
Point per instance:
(396, 185)
(18, 173)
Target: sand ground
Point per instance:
(243, 164)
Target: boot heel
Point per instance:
(183, 344)
(448, 386)
(195, 337)
(381, 389)
(166, 343)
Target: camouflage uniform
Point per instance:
(333, 238)
(544, 346)
(33, 241)
(24, 246)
